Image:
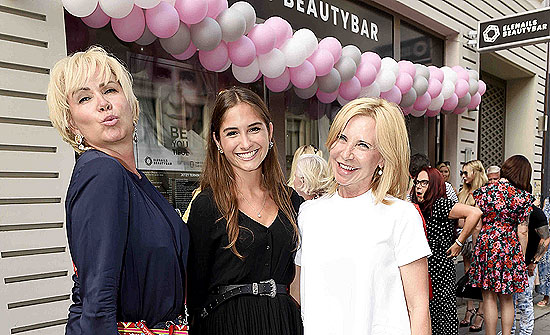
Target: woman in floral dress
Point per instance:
(497, 263)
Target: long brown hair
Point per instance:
(517, 170)
(218, 174)
(434, 191)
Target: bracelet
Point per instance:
(460, 244)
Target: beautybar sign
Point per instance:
(514, 30)
(352, 23)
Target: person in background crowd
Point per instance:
(493, 173)
(537, 245)
(420, 161)
(312, 177)
(441, 214)
(445, 169)
(306, 149)
(122, 233)
(473, 177)
(363, 255)
(544, 267)
(498, 265)
(243, 227)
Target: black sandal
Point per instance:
(477, 329)
(466, 323)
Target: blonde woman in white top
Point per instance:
(312, 177)
(362, 261)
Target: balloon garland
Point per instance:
(229, 37)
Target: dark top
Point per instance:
(439, 228)
(128, 245)
(537, 219)
(268, 254)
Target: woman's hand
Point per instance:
(454, 250)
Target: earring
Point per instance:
(135, 137)
(270, 144)
(220, 150)
(380, 171)
(79, 139)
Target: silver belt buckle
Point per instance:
(255, 288)
(273, 288)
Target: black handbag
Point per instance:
(466, 291)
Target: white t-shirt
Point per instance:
(350, 254)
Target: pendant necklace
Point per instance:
(263, 205)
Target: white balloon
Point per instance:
(371, 91)
(448, 88)
(146, 4)
(389, 63)
(172, 2)
(117, 9)
(308, 38)
(473, 74)
(246, 74)
(248, 12)
(449, 74)
(306, 93)
(232, 23)
(272, 64)
(436, 103)
(474, 86)
(353, 52)
(385, 79)
(178, 43)
(225, 67)
(80, 8)
(416, 113)
(294, 51)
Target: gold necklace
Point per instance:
(249, 204)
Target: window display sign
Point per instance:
(350, 22)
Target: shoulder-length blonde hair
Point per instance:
(480, 179)
(302, 150)
(218, 174)
(316, 174)
(71, 73)
(391, 141)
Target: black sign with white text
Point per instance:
(514, 30)
(368, 28)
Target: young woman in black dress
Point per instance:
(243, 227)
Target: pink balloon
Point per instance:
(434, 87)
(242, 52)
(162, 20)
(436, 73)
(302, 76)
(407, 110)
(422, 102)
(98, 19)
(214, 60)
(407, 67)
(476, 100)
(263, 37)
(282, 29)
(323, 61)
(350, 89)
(431, 113)
(459, 110)
(393, 95)
(278, 84)
(215, 7)
(333, 45)
(404, 82)
(326, 98)
(366, 73)
(461, 88)
(461, 72)
(191, 11)
(374, 59)
(131, 27)
(191, 49)
(482, 87)
(451, 103)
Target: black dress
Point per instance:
(441, 235)
(128, 245)
(268, 254)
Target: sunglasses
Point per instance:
(464, 173)
(448, 163)
(421, 183)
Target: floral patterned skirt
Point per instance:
(498, 263)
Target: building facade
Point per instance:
(175, 96)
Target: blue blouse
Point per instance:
(129, 247)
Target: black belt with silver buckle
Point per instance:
(222, 293)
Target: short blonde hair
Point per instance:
(391, 141)
(71, 73)
(316, 174)
(302, 150)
